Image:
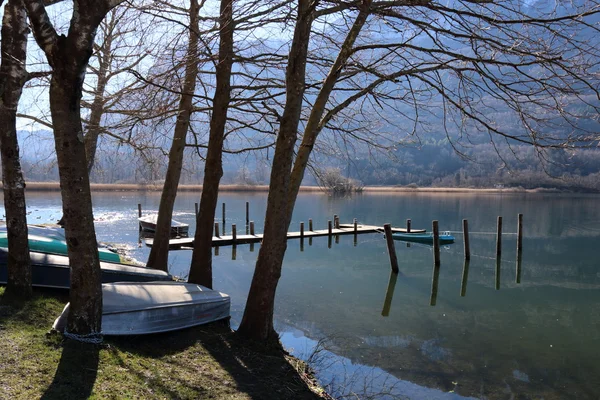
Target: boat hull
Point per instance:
(154, 307)
(423, 238)
(148, 225)
(49, 270)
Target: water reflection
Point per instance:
(533, 339)
(389, 294)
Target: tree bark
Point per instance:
(12, 78)
(201, 265)
(257, 322)
(68, 56)
(159, 254)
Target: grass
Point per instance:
(206, 362)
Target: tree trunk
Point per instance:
(68, 56)
(257, 322)
(12, 79)
(159, 254)
(86, 290)
(201, 265)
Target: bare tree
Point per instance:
(159, 253)
(463, 58)
(68, 56)
(201, 266)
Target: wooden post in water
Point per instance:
(252, 228)
(336, 222)
(139, 216)
(233, 232)
(389, 294)
(498, 261)
(465, 277)
(196, 208)
(301, 230)
(217, 229)
(247, 213)
(223, 218)
(329, 228)
(519, 233)
(466, 239)
(408, 223)
(355, 226)
(391, 248)
(519, 247)
(436, 243)
(310, 225)
(499, 238)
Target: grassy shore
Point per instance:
(206, 362)
(54, 186)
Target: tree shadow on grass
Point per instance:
(76, 372)
(259, 371)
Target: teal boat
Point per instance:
(427, 237)
(49, 240)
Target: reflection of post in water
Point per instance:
(434, 284)
(498, 261)
(301, 244)
(216, 250)
(465, 277)
(329, 242)
(518, 278)
(234, 252)
(251, 246)
(310, 241)
(389, 294)
(355, 239)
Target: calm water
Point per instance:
(535, 339)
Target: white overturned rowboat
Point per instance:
(142, 308)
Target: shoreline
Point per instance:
(133, 187)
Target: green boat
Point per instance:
(444, 238)
(49, 240)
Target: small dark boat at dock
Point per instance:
(148, 225)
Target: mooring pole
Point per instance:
(196, 208)
(391, 248)
(499, 238)
(139, 210)
(217, 229)
(310, 225)
(223, 218)
(252, 228)
(247, 213)
(436, 243)
(519, 233)
(301, 230)
(329, 228)
(408, 223)
(233, 232)
(336, 222)
(466, 239)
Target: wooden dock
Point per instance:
(227, 240)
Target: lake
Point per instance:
(370, 335)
